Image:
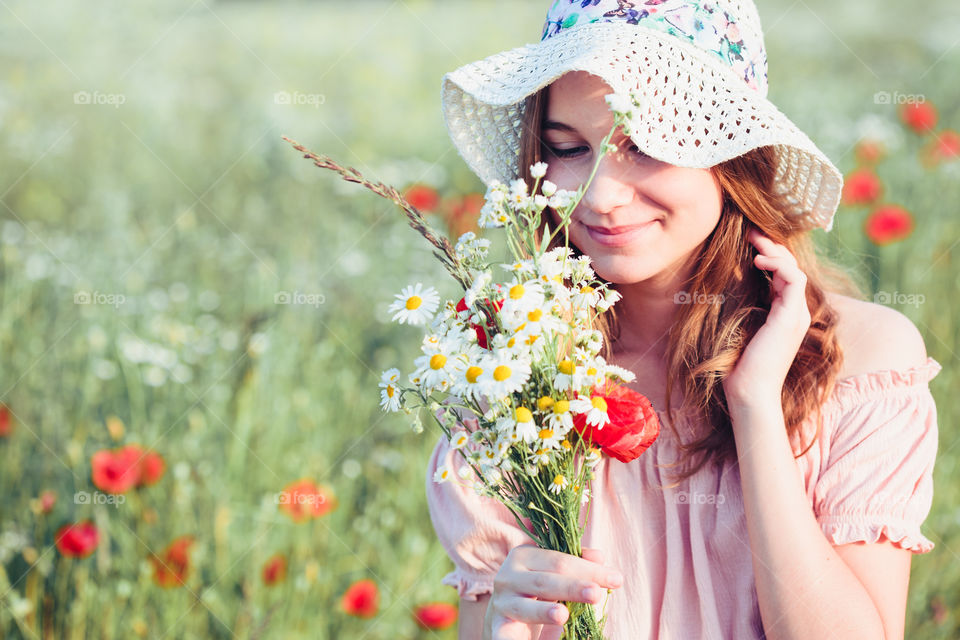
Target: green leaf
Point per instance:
(570, 20)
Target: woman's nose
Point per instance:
(611, 187)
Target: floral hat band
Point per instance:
(704, 24)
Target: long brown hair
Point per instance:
(708, 338)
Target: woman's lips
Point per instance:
(619, 236)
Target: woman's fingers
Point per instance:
(568, 565)
(593, 555)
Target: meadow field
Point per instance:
(174, 275)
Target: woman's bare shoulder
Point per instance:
(874, 337)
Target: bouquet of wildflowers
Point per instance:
(519, 353)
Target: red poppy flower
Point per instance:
(275, 570)
(919, 116)
(116, 471)
(170, 568)
(633, 426)
(869, 151)
(77, 540)
(6, 422)
(463, 213)
(47, 500)
(435, 615)
(303, 500)
(861, 186)
(944, 147)
(152, 466)
(491, 325)
(361, 599)
(424, 198)
(888, 223)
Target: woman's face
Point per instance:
(641, 218)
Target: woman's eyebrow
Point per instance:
(553, 125)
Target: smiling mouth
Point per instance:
(619, 236)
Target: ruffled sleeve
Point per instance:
(877, 477)
(477, 531)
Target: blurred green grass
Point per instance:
(184, 204)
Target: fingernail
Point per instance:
(591, 594)
(558, 613)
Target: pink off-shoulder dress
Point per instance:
(685, 551)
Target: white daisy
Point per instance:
(522, 296)
(442, 474)
(610, 298)
(541, 456)
(594, 408)
(548, 188)
(415, 305)
(505, 376)
(586, 296)
(538, 170)
(389, 391)
(560, 418)
(524, 426)
(459, 439)
(548, 438)
(558, 484)
(566, 377)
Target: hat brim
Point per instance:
(695, 111)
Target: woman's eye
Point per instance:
(565, 153)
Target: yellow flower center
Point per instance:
(592, 371)
(413, 302)
(566, 444)
(501, 373)
(522, 414)
(389, 391)
(544, 403)
(558, 480)
(516, 292)
(511, 342)
(531, 339)
(586, 289)
(437, 361)
(534, 315)
(473, 373)
(566, 367)
(599, 403)
(562, 406)
(546, 434)
(557, 279)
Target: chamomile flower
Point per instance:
(524, 425)
(459, 439)
(593, 456)
(625, 375)
(610, 298)
(437, 370)
(505, 376)
(389, 391)
(415, 305)
(520, 267)
(442, 474)
(558, 484)
(548, 188)
(560, 418)
(548, 438)
(586, 296)
(478, 288)
(538, 170)
(594, 408)
(522, 296)
(541, 456)
(471, 380)
(566, 377)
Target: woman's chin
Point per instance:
(622, 270)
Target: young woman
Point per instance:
(785, 496)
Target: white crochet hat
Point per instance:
(698, 68)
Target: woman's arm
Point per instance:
(472, 615)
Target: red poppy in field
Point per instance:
(943, 148)
(304, 499)
(6, 421)
(119, 470)
(869, 151)
(435, 615)
(424, 198)
(633, 426)
(919, 116)
(275, 570)
(116, 471)
(861, 186)
(361, 599)
(463, 213)
(77, 540)
(46, 501)
(170, 568)
(888, 223)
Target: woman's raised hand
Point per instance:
(532, 582)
